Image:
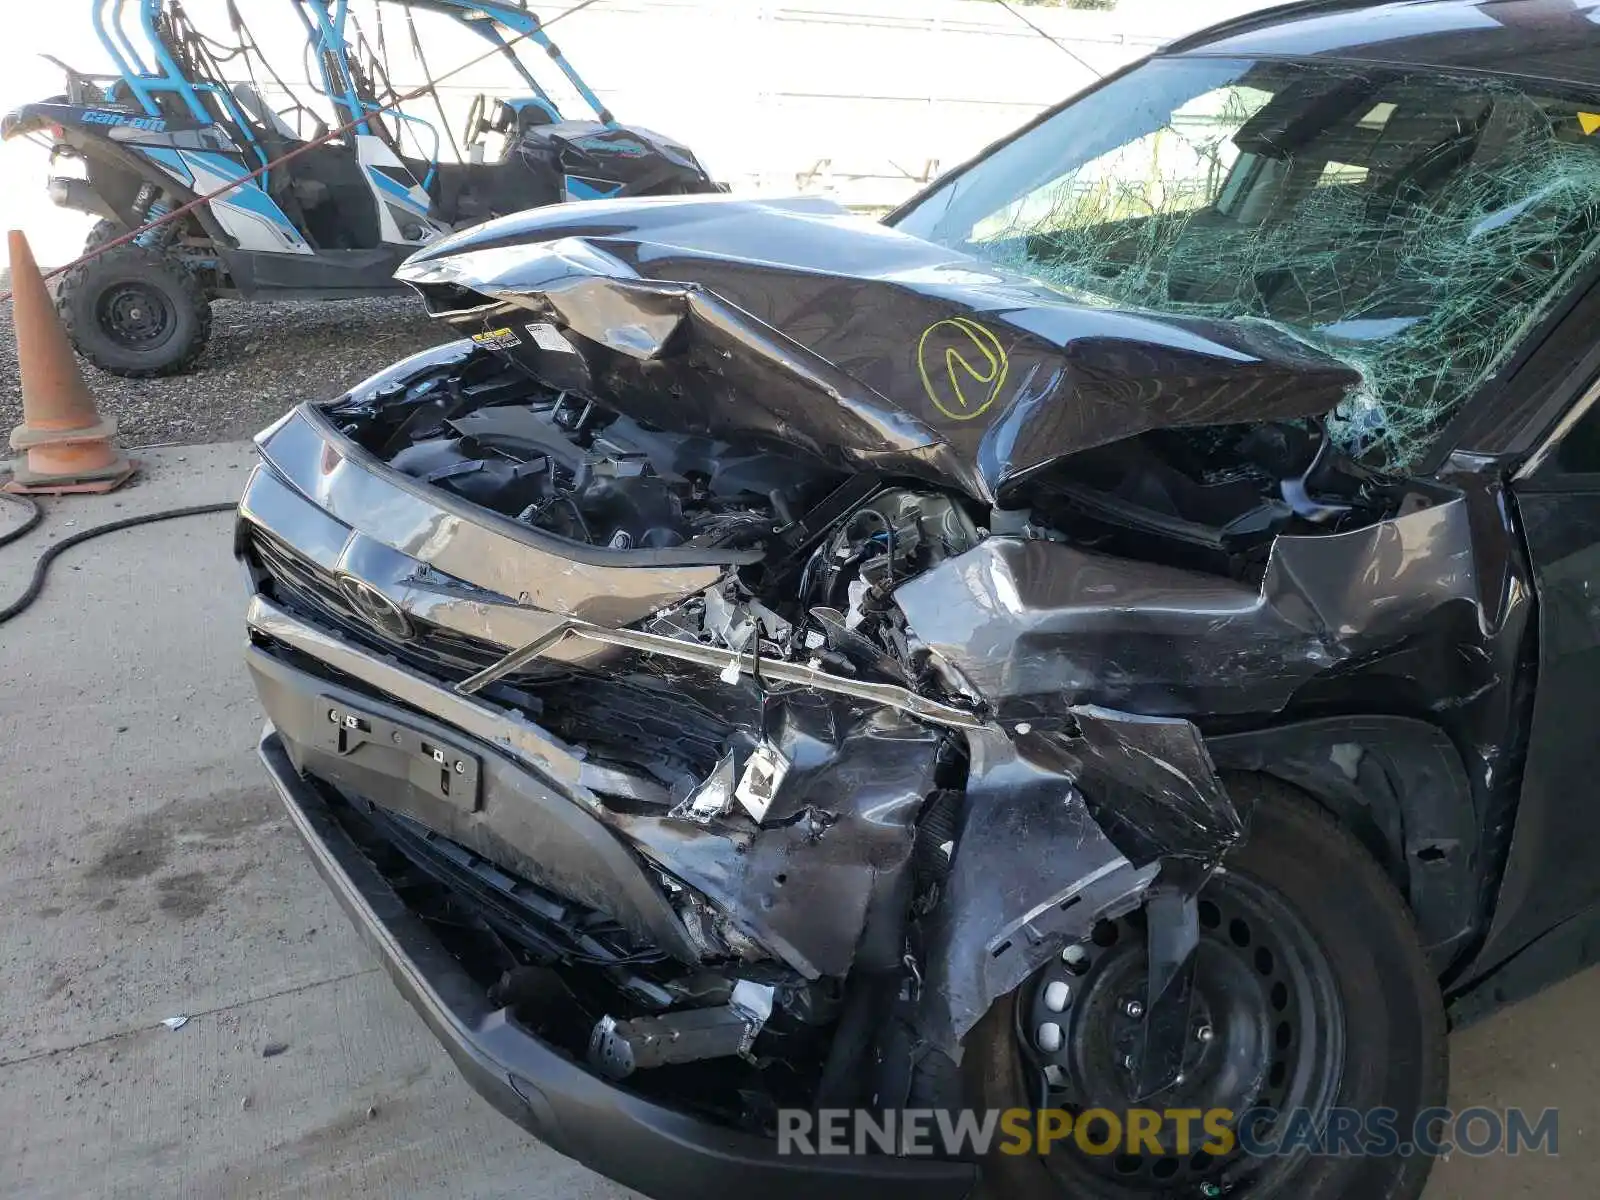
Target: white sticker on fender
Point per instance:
(548, 337)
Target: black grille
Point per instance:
(637, 720)
(312, 593)
(627, 716)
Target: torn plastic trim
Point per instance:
(273, 508)
(748, 663)
(1401, 785)
(1033, 869)
(1152, 785)
(1038, 625)
(817, 849)
(1032, 872)
(1172, 936)
(1058, 833)
(546, 754)
(824, 882)
(817, 888)
(513, 818)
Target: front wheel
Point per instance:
(1311, 993)
(135, 312)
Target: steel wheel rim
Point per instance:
(1268, 1033)
(136, 316)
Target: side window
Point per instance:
(1179, 168)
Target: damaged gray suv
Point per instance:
(1115, 635)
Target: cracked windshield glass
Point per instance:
(1413, 225)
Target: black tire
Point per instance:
(135, 312)
(105, 230)
(1394, 1052)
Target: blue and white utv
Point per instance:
(190, 114)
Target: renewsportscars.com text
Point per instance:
(1257, 1132)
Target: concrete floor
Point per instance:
(145, 872)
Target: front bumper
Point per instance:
(646, 1146)
(532, 812)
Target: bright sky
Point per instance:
(25, 76)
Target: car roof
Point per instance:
(1546, 39)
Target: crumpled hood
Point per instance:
(800, 322)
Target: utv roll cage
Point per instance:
(205, 129)
(183, 76)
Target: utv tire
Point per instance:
(105, 230)
(1391, 1052)
(135, 312)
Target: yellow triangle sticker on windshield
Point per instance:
(1589, 121)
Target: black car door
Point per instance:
(1553, 872)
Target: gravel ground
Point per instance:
(263, 358)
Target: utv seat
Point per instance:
(251, 101)
(472, 192)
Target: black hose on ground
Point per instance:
(35, 515)
(40, 568)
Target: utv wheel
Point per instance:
(135, 312)
(105, 230)
(1311, 992)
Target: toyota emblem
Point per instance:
(376, 608)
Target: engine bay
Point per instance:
(561, 464)
(1210, 498)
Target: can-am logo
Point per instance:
(95, 116)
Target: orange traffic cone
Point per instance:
(64, 443)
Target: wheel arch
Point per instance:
(117, 173)
(1399, 785)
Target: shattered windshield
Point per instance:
(1411, 224)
